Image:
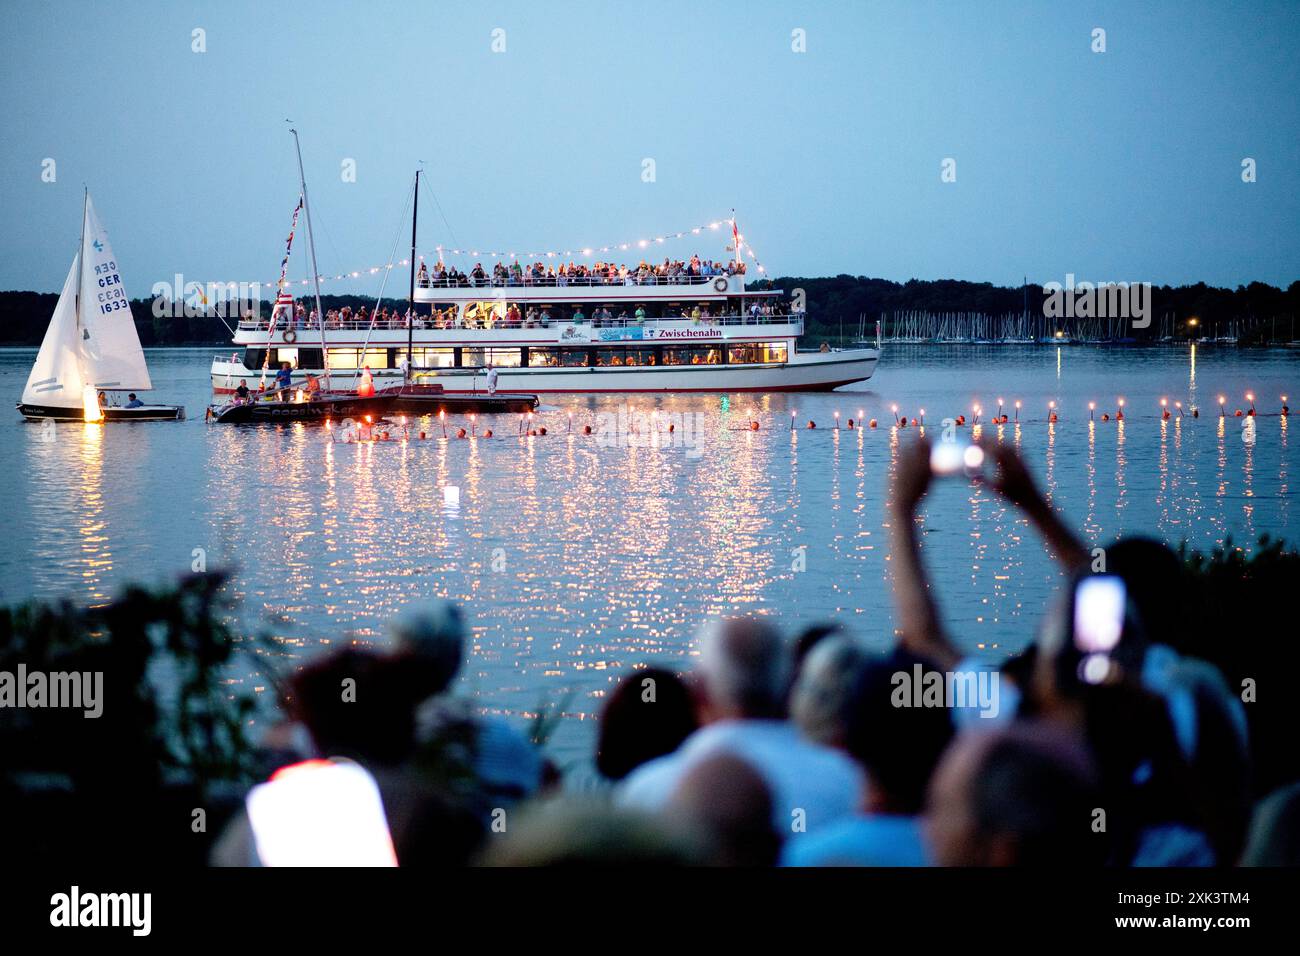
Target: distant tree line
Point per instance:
(1260, 312)
(835, 305)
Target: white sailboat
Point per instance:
(91, 348)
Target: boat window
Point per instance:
(434, 358)
(343, 358)
(625, 356)
(566, 358)
(353, 358)
(504, 358)
(692, 355)
(757, 352)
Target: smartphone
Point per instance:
(1100, 601)
(320, 813)
(953, 458)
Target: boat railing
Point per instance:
(526, 281)
(424, 323)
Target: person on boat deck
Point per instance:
(640, 315)
(241, 393)
(133, 402)
(491, 379)
(366, 387)
(284, 377)
(313, 385)
(101, 399)
(578, 317)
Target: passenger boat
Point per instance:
(697, 330)
(91, 354)
(287, 403)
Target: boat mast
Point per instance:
(315, 273)
(81, 258)
(410, 302)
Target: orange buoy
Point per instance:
(753, 426)
(421, 436)
(1237, 413)
(488, 433)
(872, 423)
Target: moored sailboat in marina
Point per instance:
(91, 349)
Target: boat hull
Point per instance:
(112, 413)
(805, 372)
(318, 410)
(425, 400)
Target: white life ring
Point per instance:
(720, 284)
(290, 336)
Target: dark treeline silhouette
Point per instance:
(1257, 312)
(835, 305)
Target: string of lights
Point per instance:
(585, 251)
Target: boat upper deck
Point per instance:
(549, 288)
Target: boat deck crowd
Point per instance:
(669, 272)
(813, 750)
(511, 316)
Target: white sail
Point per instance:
(111, 353)
(55, 379)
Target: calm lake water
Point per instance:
(575, 559)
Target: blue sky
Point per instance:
(1123, 165)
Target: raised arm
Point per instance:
(918, 615)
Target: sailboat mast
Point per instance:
(81, 258)
(410, 303)
(315, 272)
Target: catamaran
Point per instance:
(597, 329)
(91, 349)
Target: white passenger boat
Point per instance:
(698, 329)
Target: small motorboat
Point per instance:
(91, 348)
(326, 406)
(420, 399)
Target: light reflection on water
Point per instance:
(575, 561)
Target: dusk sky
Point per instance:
(1121, 165)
